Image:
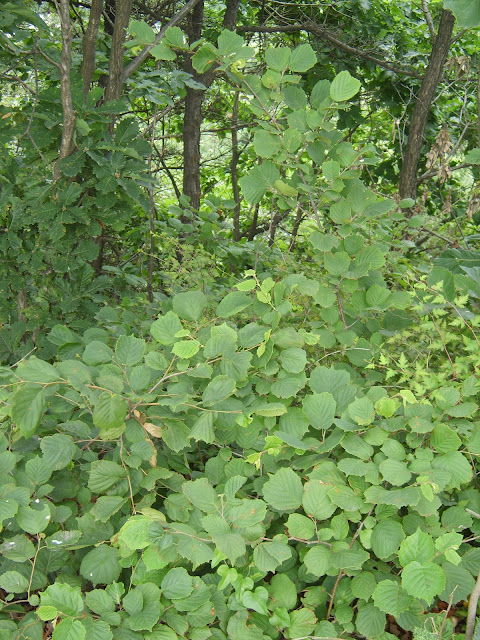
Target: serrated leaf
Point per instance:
(277, 58)
(190, 305)
(284, 490)
(177, 584)
(13, 582)
(165, 329)
(387, 537)
(233, 303)
(162, 52)
(302, 58)
(467, 12)
(320, 409)
(202, 495)
(36, 370)
(27, 408)
(186, 348)
(316, 501)
(64, 598)
(33, 521)
(344, 87)
(101, 565)
(58, 451)
(106, 506)
(129, 350)
(110, 411)
(423, 581)
(69, 630)
(217, 390)
(417, 547)
(317, 560)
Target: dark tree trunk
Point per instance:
(407, 185)
(114, 87)
(252, 231)
(192, 119)
(88, 46)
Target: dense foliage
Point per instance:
(255, 418)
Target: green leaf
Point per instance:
(300, 527)
(302, 58)
(293, 360)
(387, 537)
(277, 58)
(220, 388)
(165, 329)
(345, 498)
(284, 490)
(110, 411)
(443, 439)
(190, 305)
(162, 52)
(151, 610)
(101, 565)
(362, 411)
(27, 408)
(285, 189)
(47, 613)
(233, 303)
(344, 87)
(267, 556)
(320, 409)
(473, 155)
(69, 630)
(282, 592)
(67, 600)
(389, 597)
(19, 548)
(302, 623)
(395, 472)
(417, 547)
(337, 264)
(186, 348)
(316, 501)
(266, 144)
(129, 350)
(174, 35)
(202, 429)
(106, 506)
(258, 180)
(33, 521)
(423, 581)
(202, 495)
(370, 621)
(97, 352)
(177, 584)
(36, 370)
(104, 474)
(317, 560)
(247, 514)
(230, 545)
(58, 451)
(467, 12)
(13, 582)
(141, 31)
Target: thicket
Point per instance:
(293, 456)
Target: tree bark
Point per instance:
(66, 144)
(88, 46)
(115, 82)
(193, 117)
(234, 169)
(407, 186)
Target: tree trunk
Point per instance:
(407, 186)
(114, 87)
(88, 45)
(192, 119)
(234, 169)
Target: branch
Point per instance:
(64, 70)
(88, 45)
(178, 17)
(323, 34)
(428, 20)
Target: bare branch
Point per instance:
(428, 20)
(88, 45)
